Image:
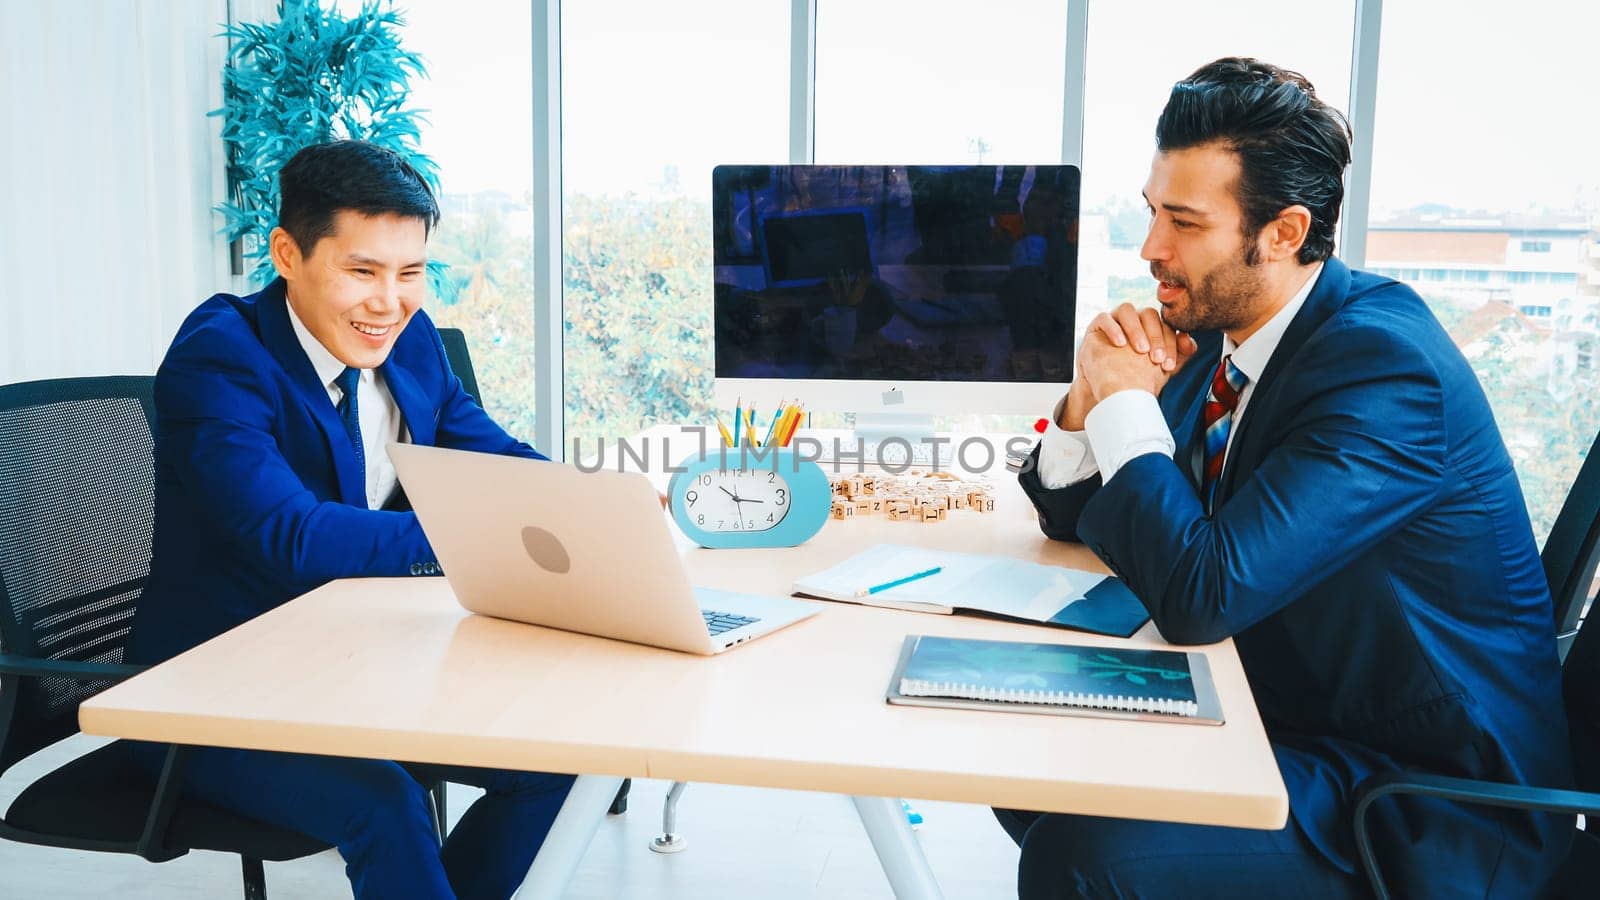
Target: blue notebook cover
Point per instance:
(1008, 588)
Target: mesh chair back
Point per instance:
(77, 497)
(455, 352)
(1572, 551)
(1580, 688)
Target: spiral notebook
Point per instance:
(1058, 679)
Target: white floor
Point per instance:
(742, 842)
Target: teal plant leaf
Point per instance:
(314, 75)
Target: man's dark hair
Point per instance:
(323, 179)
(1292, 147)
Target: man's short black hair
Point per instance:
(1292, 147)
(323, 179)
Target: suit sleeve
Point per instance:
(1361, 456)
(1059, 508)
(217, 426)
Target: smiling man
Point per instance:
(1295, 455)
(272, 477)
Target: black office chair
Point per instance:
(77, 486)
(76, 505)
(1572, 551)
(1570, 558)
(455, 351)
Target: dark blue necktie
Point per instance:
(349, 415)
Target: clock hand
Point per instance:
(729, 493)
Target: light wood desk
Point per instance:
(394, 669)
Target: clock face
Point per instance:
(743, 500)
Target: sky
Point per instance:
(1480, 104)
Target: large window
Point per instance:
(479, 130)
(1136, 52)
(940, 81)
(1495, 224)
(654, 95)
(1484, 163)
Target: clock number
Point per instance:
(700, 520)
(770, 515)
(780, 496)
(691, 497)
(706, 479)
(771, 476)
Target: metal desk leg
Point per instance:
(898, 850)
(569, 837)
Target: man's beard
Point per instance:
(1225, 299)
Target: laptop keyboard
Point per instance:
(718, 622)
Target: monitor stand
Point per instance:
(888, 439)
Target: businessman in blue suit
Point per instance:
(273, 414)
(1295, 455)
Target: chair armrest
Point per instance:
(34, 667)
(1461, 790)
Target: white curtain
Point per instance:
(109, 169)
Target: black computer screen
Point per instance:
(925, 273)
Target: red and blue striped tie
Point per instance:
(1217, 416)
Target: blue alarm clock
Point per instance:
(749, 498)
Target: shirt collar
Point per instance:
(327, 365)
(1252, 356)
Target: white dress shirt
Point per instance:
(375, 406)
(1129, 423)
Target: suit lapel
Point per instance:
(1329, 295)
(415, 407)
(279, 337)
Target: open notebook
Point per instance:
(1059, 679)
(990, 585)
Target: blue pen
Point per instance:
(899, 581)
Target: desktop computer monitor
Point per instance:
(895, 289)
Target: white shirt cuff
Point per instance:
(1065, 457)
(1126, 425)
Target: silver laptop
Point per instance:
(544, 543)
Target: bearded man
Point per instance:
(1295, 455)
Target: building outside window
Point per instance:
(1516, 215)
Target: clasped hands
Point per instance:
(1124, 349)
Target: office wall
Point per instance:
(108, 172)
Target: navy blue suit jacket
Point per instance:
(1372, 558)
(259, 495)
